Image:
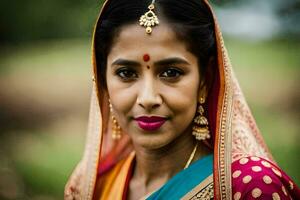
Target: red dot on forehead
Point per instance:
(146, 57)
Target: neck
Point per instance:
(156, 166)
(163, 162)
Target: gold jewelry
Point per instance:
(200, 129)
(149, 19)
(191, 156)
(116, 129)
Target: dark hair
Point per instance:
(191, 20)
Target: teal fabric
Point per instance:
(185, 180)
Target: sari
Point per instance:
(241, 166)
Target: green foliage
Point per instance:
(43, 19)
(46, 161)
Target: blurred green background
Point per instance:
(45, 83)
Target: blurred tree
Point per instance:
(43, 19)
(289, 12)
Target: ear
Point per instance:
(202, 90)
(207, 79)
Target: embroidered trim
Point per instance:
(206, 193)
(225, 123)
(204, 190)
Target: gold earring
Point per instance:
(116, 129)
(200, 128)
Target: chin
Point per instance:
(152, 141)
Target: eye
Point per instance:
(126, 74)
(171, 73)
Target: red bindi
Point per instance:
(146, 57)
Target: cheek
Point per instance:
(182, 101)
(183, 98)
(122, 97)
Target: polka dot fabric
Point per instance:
(257, 178)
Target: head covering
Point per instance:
(235, 131)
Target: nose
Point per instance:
(148, 97)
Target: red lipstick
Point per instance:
(150, 123)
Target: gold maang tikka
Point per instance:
(149, 19)
(200, 128)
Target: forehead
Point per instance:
(132, 39)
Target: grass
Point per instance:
(47, 161)
(43, 157)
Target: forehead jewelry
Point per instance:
(149, 19)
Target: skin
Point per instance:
(167, 86)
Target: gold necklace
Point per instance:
(191, 156)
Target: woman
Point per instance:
(168, 119)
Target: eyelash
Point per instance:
(122, 74)
(178, 72)
(127, 74)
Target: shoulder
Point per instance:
(254, 177)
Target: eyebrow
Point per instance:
(167, 61)
(121, 61)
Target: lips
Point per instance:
(150, 123)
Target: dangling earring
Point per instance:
(200, 128)
(116, 132)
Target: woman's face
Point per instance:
(153, 85)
